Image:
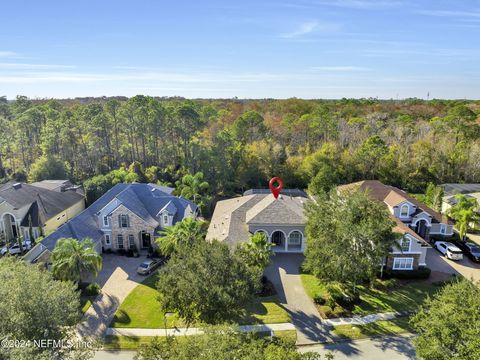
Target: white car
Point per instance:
(15, 249)
(449, 250)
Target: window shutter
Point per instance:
(128, 220)
(119, 220)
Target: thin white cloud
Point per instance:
(23, 66)
(310, 27)
(451, 13)
(341, 68)
(7, 54)
(361, 4)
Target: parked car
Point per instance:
(470, 249)
(15, 249)
(148, 266)
(449, 250)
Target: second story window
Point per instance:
(405, 244)
(105, 221)
(404, 211)
(165, 219)
(123, 221)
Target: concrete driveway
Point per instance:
(441, 265)
(284, 274)
(117, 278)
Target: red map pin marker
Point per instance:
(275, 190)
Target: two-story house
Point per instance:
(31, 210)
(281, 220)
(128, 216)
(414, 220)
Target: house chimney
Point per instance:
(17, 186)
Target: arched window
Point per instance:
(404, 211)
(295, 238)
(262, 232)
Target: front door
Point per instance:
(146, 240)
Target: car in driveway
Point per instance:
(15, 248)
(449, 250)
(148, 266)
(470, 249)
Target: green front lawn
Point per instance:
(379, 328)
(112, 342)
(142, 310)
(406, 296)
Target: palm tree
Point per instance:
(257, 251)
(193, 187)
(464, 212)
(72, 258)
(188, 231)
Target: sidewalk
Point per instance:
(363, 320)
(357, 320)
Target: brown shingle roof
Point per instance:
(380, 191)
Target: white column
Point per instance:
(286, 243)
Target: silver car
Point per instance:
(15, 249)
(147, 267)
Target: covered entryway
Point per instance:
(145, 240)
(423, 228)
(9, 227)
(278, 239)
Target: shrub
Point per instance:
(338, 311)
(422, 272)
(268, 289)
(343, 296)
(325, 311)
(319, 300)
(92, 289)
(385, 284)
(121, 252)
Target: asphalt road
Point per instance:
(391, 348)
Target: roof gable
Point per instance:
(284, 210)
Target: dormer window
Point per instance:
(165, 219)
(404, 211)
(405, 244)
(105, 221)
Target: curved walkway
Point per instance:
(117, 278)
(285, 275)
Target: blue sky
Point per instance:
(249, 49)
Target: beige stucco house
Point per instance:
(281, 220)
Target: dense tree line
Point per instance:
(240, 144)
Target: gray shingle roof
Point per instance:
(145, 200)
(48, 203)
(453, 189)
(231, 217)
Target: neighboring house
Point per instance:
(128, 216)
(37, 207)
(450, 190)
(414, 220)
(281, 220)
